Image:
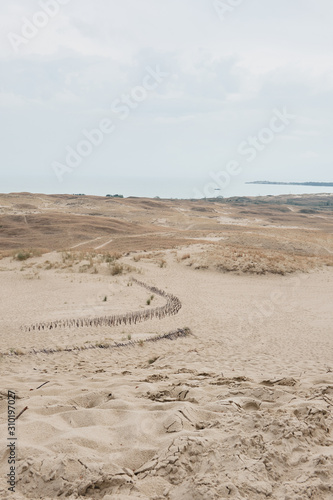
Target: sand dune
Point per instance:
(240, 407)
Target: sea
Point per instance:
(167, 187)
(184, 189)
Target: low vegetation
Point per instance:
(255, 261)
(91, 262)
(279, 235)
(185, 256)
(27, 254)
(109, 258)
(116, 269)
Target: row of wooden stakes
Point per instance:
(172, 307)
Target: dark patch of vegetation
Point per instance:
(26, 254)
(308, 211)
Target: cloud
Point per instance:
(225, 80)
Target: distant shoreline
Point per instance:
(323, 184)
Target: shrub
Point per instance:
(22, 255)
(26, 254)
(109, 258)
(116, 269)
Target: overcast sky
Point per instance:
(168, 98)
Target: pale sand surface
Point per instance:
(240, 409)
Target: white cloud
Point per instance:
(226, 77)
(10, 100)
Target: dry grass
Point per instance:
(6, 253)
(266, 235)
(90, 262)
(116, 269)
(253, 261)
(27, 254)
(111, 257)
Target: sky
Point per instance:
(173, 98)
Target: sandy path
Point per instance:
(86, 242)
(104, 244)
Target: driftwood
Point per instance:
(172, 307)
(24, 409)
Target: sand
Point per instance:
(240, 407)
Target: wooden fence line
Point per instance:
(171, 308)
